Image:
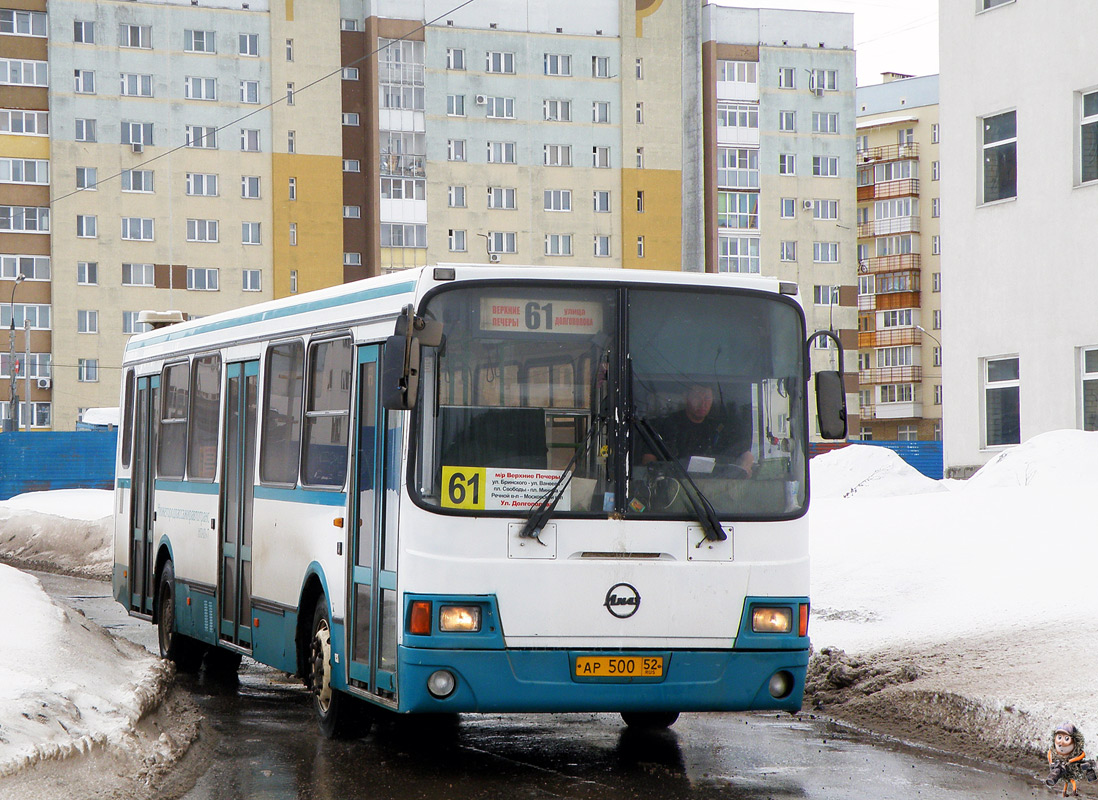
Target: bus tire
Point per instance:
(184, 651)
(222, 664)
(339, 715)
(649, 720)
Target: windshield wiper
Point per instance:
(703, 509)
(541, 513)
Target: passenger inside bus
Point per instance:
(705, 439)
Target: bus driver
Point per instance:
(694, 430)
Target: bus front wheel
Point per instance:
(339, 715)
(174, 646)
(649, 720)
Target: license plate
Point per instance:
(619, 667)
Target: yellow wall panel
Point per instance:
(318, 213)
(660, 223)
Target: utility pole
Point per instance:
(12, 423)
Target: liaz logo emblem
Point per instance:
(622, 600)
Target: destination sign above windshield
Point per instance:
(498, 314)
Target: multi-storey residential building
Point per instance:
(1020, 188)
(899, 280)
(386, 134)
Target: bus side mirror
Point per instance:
(831, 404)
(399, 373)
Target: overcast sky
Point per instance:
(889, 35)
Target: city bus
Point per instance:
(453, 489)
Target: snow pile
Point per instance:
(70, 530)
(866, 471)
(1058, 458)
(101, 416)
(66, 685)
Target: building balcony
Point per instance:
(910, 374)
(891, 152)
(889, 337)
(883, 191)
(897, 411)
(887, 227)
(867, 302)
(890, 301)
(875, 266)
(404, 165)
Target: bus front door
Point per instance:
(372, 599)
(237, 487)
(142, 505)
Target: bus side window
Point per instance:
(282, 393)
(324, 455)
(127, 419)
(205, 408)
(171, 456)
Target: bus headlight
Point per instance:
(441, 683)
(459, 619)
(771, 620)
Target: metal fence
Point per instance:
(923, 456)
(35, 462)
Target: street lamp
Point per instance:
(928, 333)
(13, 407)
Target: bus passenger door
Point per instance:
(142, 505)
(237, 487)
(372, 597)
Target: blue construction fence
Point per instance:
(923, 456)
(35, 462)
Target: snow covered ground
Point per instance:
(981, 588)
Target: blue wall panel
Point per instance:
(923, 456)
(35, 462)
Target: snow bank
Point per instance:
(866, 471)
(70, 530)
(1058, 458)
(66, 685)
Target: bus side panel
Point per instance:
(186, 519)
(120, 575)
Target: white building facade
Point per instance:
(1019, 187)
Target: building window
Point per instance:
(202, 279)
(350, 73)
(787, 164)
(199, 41)
(937, 394)
(293, 234)
(502, 242)
(22, 23)
(638, 69)
(455, 149)
(202, 184)
(135, 36)
(787, 78)
(199, 88)
(936, 245)
(787, 121)
(1088, 390)
(825, 166)
(83, 31)
(350, 25)
(455, 105)
(87, 370)
(86, 227)
(737, 115)
(137, 133)
(601, 201)
(557, 155)
(937, 356)
(640, 247)
(738, 254)
(557, 110)
(935, 133)
(937, 320)
(253, 280)
(354, 165)
(134, 85)
(937, 281)
(602, 247)
(558, 244)
(1000, 157)
(558, 200)
(1002, 389)
(352, 259)
(600, 157)
(600, 111)
(600, 67)
(456, 241)
(292, 189)
(249, 233)
(87, 322)
(640, 113)
(17, 72)
(289, 49)
(83, 81)
(456, 197)
(202, 136)
(202, 230)
(293, 281)
(905, 136)
(788, 207)
(291, 141)
(499, 197)
(501, 108)
(825, 122)
(907, 433)
(739, 210)
(825, 209)
(24, 123)
(935, 170)
(249, 140)
(789, 251)
(138, 275)
(36, 171)
(500, 62)
(455, 58)
(825, 252)
(352, 212)
(87, 273)
(640, 158)
(640, 202)
(1088, 138)
(85, 176)
(824, 80)
(24, 219)
(560, 65)
(249, 92)
(249, 187)
(936, 207)
(737, 168)
(396, 234)
(501, 152)
(137, 180)
(249, 44)
(85, 130)
(825, 295)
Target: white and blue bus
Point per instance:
(460, 489)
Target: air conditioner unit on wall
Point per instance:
(138, 147)
(482, 99)
(807, 204)
(44, 383)
(493, 257)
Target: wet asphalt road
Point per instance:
(263, 743)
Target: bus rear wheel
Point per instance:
(339, 715)
(649, 720)
(184, 651)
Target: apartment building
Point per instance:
(1020, 192)
(899, 247)
(205, 156)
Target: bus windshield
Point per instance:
(622, 401)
